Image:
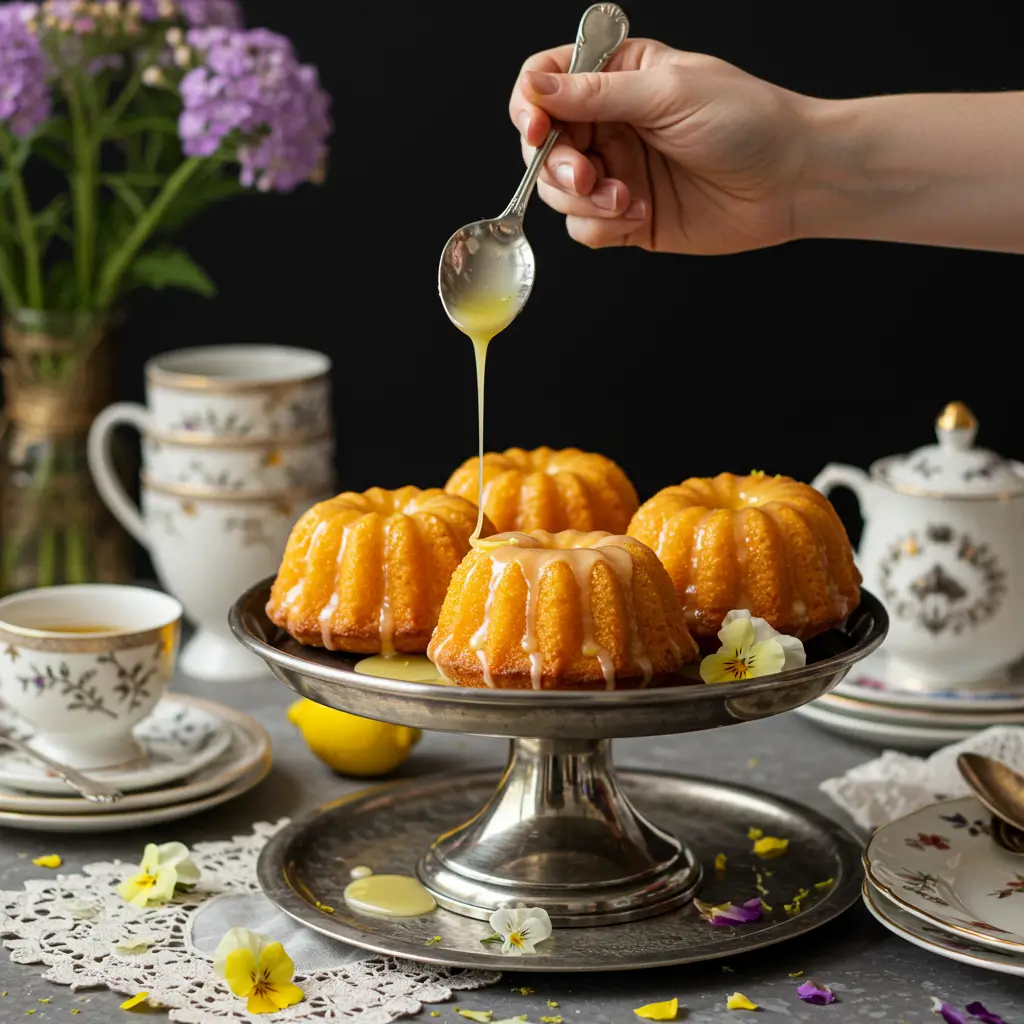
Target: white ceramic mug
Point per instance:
(84, 664)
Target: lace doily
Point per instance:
(895, 784)
(72, 923)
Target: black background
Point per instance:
(780, 360)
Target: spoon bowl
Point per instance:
(999, 788)
(489, 263)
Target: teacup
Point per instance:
(84, 664)
(238, 393)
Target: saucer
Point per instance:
(120, 821)
(249, 745)
(872, 681)
(181, 736)
(940, 865)
(898, 735)
(938, 940)
(950, 717)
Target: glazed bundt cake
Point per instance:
(368, 572)
(560, 611)
(551, 490)
(765, 543)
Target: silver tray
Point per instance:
(559, 831)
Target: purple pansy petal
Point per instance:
(729, 914)
(948, 1013)
(979, 1012)
(811, 992)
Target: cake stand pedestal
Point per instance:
(560, 829)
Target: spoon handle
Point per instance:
(603, 28)
(91, 789)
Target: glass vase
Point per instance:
(54, 528)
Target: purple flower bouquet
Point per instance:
(148, 110)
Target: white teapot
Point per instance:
(943, 548)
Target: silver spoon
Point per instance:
(97, 792)
(491, 259)
(1001, 790)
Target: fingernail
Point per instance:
(524, 123)
(637, 210)
(542, 83)
(566, 176)
(604, 197)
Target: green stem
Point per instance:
(83, 194)
(118, 264)
(8, 289)
(128, 93)
(26, 227)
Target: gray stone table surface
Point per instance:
(876, 976)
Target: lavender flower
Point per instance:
(197, 13)
(24, 68)
(950, 1014)
(978, 1011)
(250, 87)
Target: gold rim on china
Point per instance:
(173, 381)
(279, 498)
(51, 641)
(199, 440)
(974, 957)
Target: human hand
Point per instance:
(665, 150)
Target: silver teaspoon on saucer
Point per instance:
(91, 789)
(491, 260)
(1001, 790)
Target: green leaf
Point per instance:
(50, 220)
(194, 202)
(127, 195)
(61, 286)
(171, 268)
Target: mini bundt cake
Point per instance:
(367, 573)
(548, 490)
(560, 611)
(765, 543)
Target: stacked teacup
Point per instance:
(237, 444)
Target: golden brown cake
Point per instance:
(548, 490)
(368, 572)
(560, 611)
(765, 543)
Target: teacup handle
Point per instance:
(101, 464)
(837, 475)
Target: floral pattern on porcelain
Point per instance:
(957, 879)
(272, 413)
(261, 469)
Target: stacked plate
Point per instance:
(936, 879)
(199, 754)
(872, 706)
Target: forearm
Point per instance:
(944, 169)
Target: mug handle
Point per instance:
(101, 464)
(837, 475)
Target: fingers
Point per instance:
(603, 233)
(609, 198)
(533, 123)
(565, 168)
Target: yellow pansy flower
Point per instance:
(750, 648)
(163, 868)
(257, 970)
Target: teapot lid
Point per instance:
(952, 468)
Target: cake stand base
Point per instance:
(560, 834)
(305, 867)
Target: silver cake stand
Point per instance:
(600, 851)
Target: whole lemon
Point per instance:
(349, 744)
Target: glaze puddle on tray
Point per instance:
(410, 668)
(389, 896)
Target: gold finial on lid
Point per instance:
(956, 416)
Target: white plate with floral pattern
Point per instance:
(937, 940)
(941, 865)
(249, 746)
(180, 737)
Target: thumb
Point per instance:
(629, 96)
